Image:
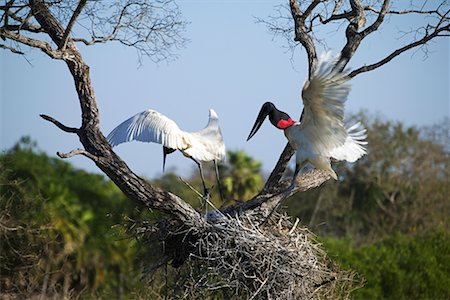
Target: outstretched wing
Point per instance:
(324, 96)
(150, 126)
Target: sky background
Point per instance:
(231, 64)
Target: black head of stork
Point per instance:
(278, 118)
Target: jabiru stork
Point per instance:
(321, 135)
(151, 126)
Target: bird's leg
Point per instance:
(298, 167)
(218, 181)
(205, 189)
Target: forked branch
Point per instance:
(74, 17)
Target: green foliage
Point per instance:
(241, 176)
(57, 233)
(400, 266)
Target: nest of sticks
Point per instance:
(242, 257)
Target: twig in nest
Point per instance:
(204, 198)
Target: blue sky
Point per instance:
(231, 64)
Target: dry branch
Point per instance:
(59, 124)
(74, 17)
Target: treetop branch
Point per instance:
(421, 42)
(378, 21)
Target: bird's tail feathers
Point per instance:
(354, 146)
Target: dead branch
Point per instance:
(77, 152)
(359, 15)
(280, 167)
(426, 38)
(301, 33)
(21, 39)
(74, 17)
(13, 50)
(264, 203)
(59, 124)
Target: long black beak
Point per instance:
(263, 113)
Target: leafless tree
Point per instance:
(154, 29)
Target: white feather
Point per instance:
(324, 96)
(152, 126)
(321, 135)
(353, 147)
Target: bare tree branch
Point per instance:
(375, 25)
(404, 12)
(269, 199)
(301, 34)
(43, 46)
(399, 51)
(359, 15)
(13, 50)
(354, 37)
(59, 125)
(77, 152)
(337, 6)
(309, 9)
(280, 167)
(74, 17)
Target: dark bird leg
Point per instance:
(298, 167)
(165, 152)
(205, 190)
(218, 181)
(199, 165)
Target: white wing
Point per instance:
(353, 147)
(150, 126)
(324, 96)
(208, 143)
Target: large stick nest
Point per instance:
(240, 257)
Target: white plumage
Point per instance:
(321, 135)
(152, 126)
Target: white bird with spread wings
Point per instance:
(321, 134)
(152, 126)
